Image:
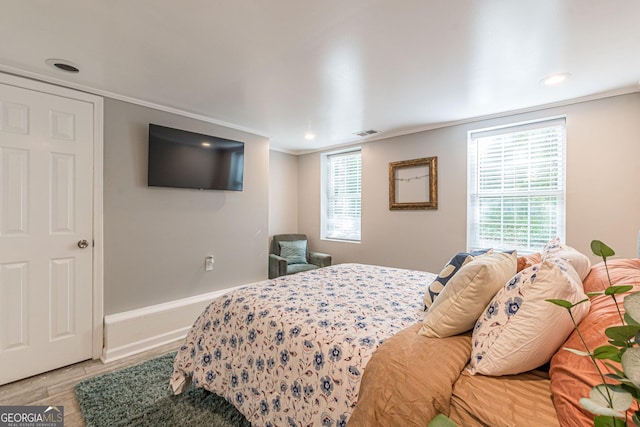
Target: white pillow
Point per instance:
(466, 295)
(556, 249)
(458, 261)
(519, 330)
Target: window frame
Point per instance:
(325, 197)
(474, 241)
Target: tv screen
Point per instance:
(182, 159)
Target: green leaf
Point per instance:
(442, 420)
(598, 402)
(561, 302)
(631, 305)
(594, 294)
(622, 333)
(615, 377)
(598, 409)
(600, 249)
(614, 369)
(578, 352)
(581, 302)
(631, 365)
(629, 320)
(613, 290)
(602, 421)
(625, 384)
(617, 358)
(607, 352)
(630, 388)
(618, 343)
(636, 419)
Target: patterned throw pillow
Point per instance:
(556, 249)
(450, 268)
(467, 294)
(519, 330)
(294, 251)
(527, 260)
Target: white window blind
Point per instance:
(516, 186)
(342, 188)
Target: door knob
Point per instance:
(83, 244)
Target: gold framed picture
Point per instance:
(413, 184)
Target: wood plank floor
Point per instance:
(56, 387)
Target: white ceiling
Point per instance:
(280, 68)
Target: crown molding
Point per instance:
(105, 93)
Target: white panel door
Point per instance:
(46, 185)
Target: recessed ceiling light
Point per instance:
(206, 144)
(309, 136)
(554, 79)
(63, 64)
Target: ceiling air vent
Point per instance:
(63, 64)
(366, 132)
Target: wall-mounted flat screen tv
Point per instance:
(182, 159)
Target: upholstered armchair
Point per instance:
(290, 254)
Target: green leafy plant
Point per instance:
(612, 400)
(442, 421)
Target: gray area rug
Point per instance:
(139, 396)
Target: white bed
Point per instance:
(291, 351)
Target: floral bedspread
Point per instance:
(291, 351)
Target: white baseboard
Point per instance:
(135, 331)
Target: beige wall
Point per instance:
(603, 172)
(156, 239)
(283, 193)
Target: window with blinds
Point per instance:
(516, 186)
(341, 196)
